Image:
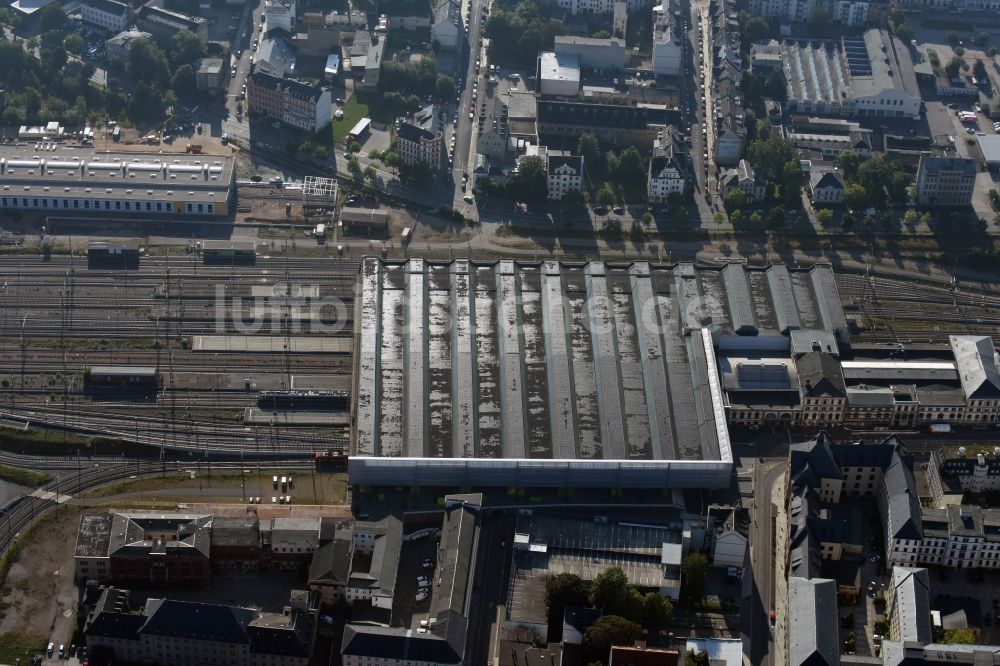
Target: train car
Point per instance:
(275, 400)
(229, 252)
(331, 458)
(121, 376)
(115, 255)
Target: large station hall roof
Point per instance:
(512, 360)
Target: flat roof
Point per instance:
(989, 146)
(535, 361)
(559, 66)
(49, 169)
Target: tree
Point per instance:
(736, 217)
(184, 83)
(355, 147)
(73, 43)
(371, 175)
(185, 48)
(911, 217)
(756, 218)
(53, 57)
(756, 29)
(611, 592)
(593, 158)
(953, 67)
(883, 177)
(848, 162)
(953, 37)
(530, 182)
(955, 636)
(694, 573)
(606, 196)
(692, 658)
(982, 39)
(657, 611)
(322, 153)
(992, 52)
(681, 215)
(444, 88)
(792, 180)
(719, 217)
(905, 32)
(636, 233)
(979, 70)
(630, 174)
(561, 591)
(825, 217)
(147, 62)
(735, 199)
(354, 168)
(607, 631)
(855, 196)
(52, 17)
(776, 217)
(776, 86)
(770, 155)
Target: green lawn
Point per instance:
(354, 111)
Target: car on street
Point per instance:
(326, 619)
(467, 198)
(421, 595)
(774, 618)
(427, 563)
(50, 650)
(62, 651)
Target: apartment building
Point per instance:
(307, 107)
(909, 610)
(826, 188)
(668, 38)
(109, 15)
(851, 13)
(945, 181)
(416, 144)
(565, 174)
(666, 168)
(744, 177)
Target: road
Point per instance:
(762, 538)
(246, 32)
(475, 88)
(495, 540)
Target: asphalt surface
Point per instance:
(762, 541)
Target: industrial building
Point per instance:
(50, 176)
(869, 76)
(945, 181)
(604, 54)
(558, 74)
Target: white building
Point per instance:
(596, 53)
(448, 27)
(847, 12)
(565, 174)
(558, 75)
(280, 15)
(597, 6)
(78, 180)
(417, 144)
(294, 535)
(667, 40)
(109, 15)
(826, 187)
(871, 76)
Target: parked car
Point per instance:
(421, 595)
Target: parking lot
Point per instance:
(413, 564)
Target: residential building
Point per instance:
(976, 473)
(869, 76)
(851, 13)
(825, 188)
(448, 28)
(306, 107)
(811, 613)
(163, 24)
(728, 530)
(720, 651)
(909, 609)
(330, 569)
(619, 20)
(616, 124)
(666, 175)
(280, 15)
(416, 144)
(109, 15)
(119, 45)
(945, 181)
(565, 174)
(744, 177)
(899, 653)
(276, 56)
(575, 7)
(210, 74)
(170, 632)
(603, 54)
(668, 38)
(558, 74)
(729, 143)
(642, 655)
(373, 577)
(444, 641)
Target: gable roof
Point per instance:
(332, 561)
(813, 605)
(187, 619)
(977, 361)
(902, 504)
(820, 375)
(413, 133)
(825, 180)
(911, 587)
(396, 643)
(574, 162)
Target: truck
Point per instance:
(406, 236)
(940, 428)
(194, 148)
(320, 232)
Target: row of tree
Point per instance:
(518, 31)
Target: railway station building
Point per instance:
(60, 179)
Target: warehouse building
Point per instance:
(868, 76)
(79, 180)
